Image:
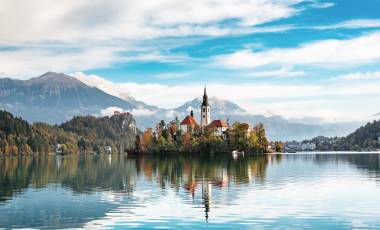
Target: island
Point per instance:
(118, 134)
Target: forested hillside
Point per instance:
(18, 137)
(365, 138)
(83, 135)
(118, 132)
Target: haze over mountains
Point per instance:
(55, 98)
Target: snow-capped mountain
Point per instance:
(56, 98)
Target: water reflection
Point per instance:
(192, 191)
(86, 174)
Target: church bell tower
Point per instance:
(205, 110)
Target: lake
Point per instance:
(294, 191)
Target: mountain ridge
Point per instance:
(278, 127)
(57, 97)
(54, 99)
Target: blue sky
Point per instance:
(199, 49)
(294, 58)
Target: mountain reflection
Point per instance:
(83, 174)
(97, 192)
(367, 162)
(119, 174)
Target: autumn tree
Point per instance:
(238, 136)
(146, 142)
(261, 137)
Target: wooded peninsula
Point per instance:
(118, 134)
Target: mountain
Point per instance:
(365, 138)
(55, 98)
(277, 127)
(218, 106)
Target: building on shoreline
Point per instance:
(294, 146)
(190, 124)
(220, 128)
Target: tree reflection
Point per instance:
(369, 163)
(202, 178)
(116, 173)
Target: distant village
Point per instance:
(295, 146)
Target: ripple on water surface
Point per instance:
(315, 191)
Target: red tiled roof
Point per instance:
(218, 123)
(189, 120)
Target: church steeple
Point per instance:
(205, 98)
(205, 110)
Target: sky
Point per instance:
(293, 58)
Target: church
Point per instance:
(190, 124)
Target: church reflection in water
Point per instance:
(119, 174)
(207, 181)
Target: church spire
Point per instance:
(205, 110)
(205, 98)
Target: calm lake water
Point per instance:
(295, 191)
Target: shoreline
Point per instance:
(198, 154)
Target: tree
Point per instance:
(146, 142)
(279, 147)
(253, 142)
(83, 145)
(173, 127)
(187, 142)
(238, 136)
(261, 137)
(211, 144)
(161, 144)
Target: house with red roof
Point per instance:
(220, 127)
(189, 124)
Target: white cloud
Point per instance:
(359, 76)
(109, 111)
(155, 94)
(321, 196)
(150, 55)
(78, 35)
(140, 112)
(352, 24)
(322, 5)
(326, 53)
(27, 62)
(334, 101)
(166, 76)
(170, 113)
(41, 20)
(285, 71)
